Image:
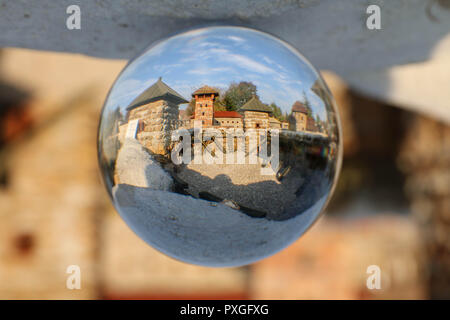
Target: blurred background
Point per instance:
(391, 207)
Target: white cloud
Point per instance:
(236, 39)
(204, 70)
(247, 63)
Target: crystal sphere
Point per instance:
(219, 146)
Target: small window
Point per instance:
(203, 113)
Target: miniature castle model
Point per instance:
(204, 105)
(256, 114)
(204, 110)
(299, 117)
(252, 115)
(301, 120)
(228, 119)
(155, 114)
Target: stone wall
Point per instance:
(274, 123)
(204, 109)
(228, 122)
(49, 210)
(159, 118)
(254, 119)
(425, 158)
(330, 261)
(297, 121)
(56, 212)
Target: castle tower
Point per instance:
(204, 105)
(256, 114)
(299, 117)
(156, 112)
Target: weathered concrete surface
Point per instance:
(422, 87)
(332, 34)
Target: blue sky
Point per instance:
(216, 57)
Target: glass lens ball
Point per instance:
(219, 146)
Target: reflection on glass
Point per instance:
(219, 146)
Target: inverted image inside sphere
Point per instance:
(219, 146)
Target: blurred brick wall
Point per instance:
(331, 262)
(425, 157)
(48, 209)
(55, 212)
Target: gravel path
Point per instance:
(199, 231)
(244, 184)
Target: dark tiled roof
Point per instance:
(205, 90)
(227, 114)
(158, 91)
(299, 107)
(254, 104)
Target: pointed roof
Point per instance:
(299, 107)
(254, 104)
(158, 91)
(205, 90)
